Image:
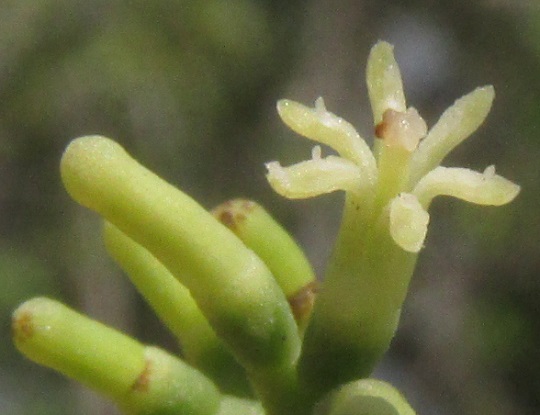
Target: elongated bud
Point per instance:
(232, 286)
(175, 306)
(260, 232)
(141, 380)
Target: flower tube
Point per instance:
(385, 217)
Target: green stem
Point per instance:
(357, 310)
(141, 380)
(393, 178)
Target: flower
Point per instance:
(396, 181)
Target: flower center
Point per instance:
(401, 129)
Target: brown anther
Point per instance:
(226, 217)
(380, 130)
(401, 129)
(302, 301)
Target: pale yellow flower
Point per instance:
(398, 179)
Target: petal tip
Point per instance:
(408, 222)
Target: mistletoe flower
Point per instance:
(402, 176)
(388, 193)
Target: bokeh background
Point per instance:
(189, 88)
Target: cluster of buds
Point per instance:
(258, 335)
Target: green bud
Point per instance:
(141, 380)
(232, 286)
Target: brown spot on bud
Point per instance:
(142, 383)
(302, 301)
(227, 218)
(233, 212)
(22, 326)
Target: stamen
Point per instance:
(489, 172)
(403, 129)
(316, 153)
(320, 107)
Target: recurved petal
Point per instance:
(408, 222)
(485, 188)
(456, 124)
(384, 81)
(314, 177)
(322, 126)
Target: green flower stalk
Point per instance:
(388, 193)
(259, 336)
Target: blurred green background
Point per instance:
(189, 88)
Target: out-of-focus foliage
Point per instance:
(189, 88)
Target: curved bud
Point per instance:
(408, 222)
(485, 188)
(456, 124)
(322, 126)
(384, 83)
